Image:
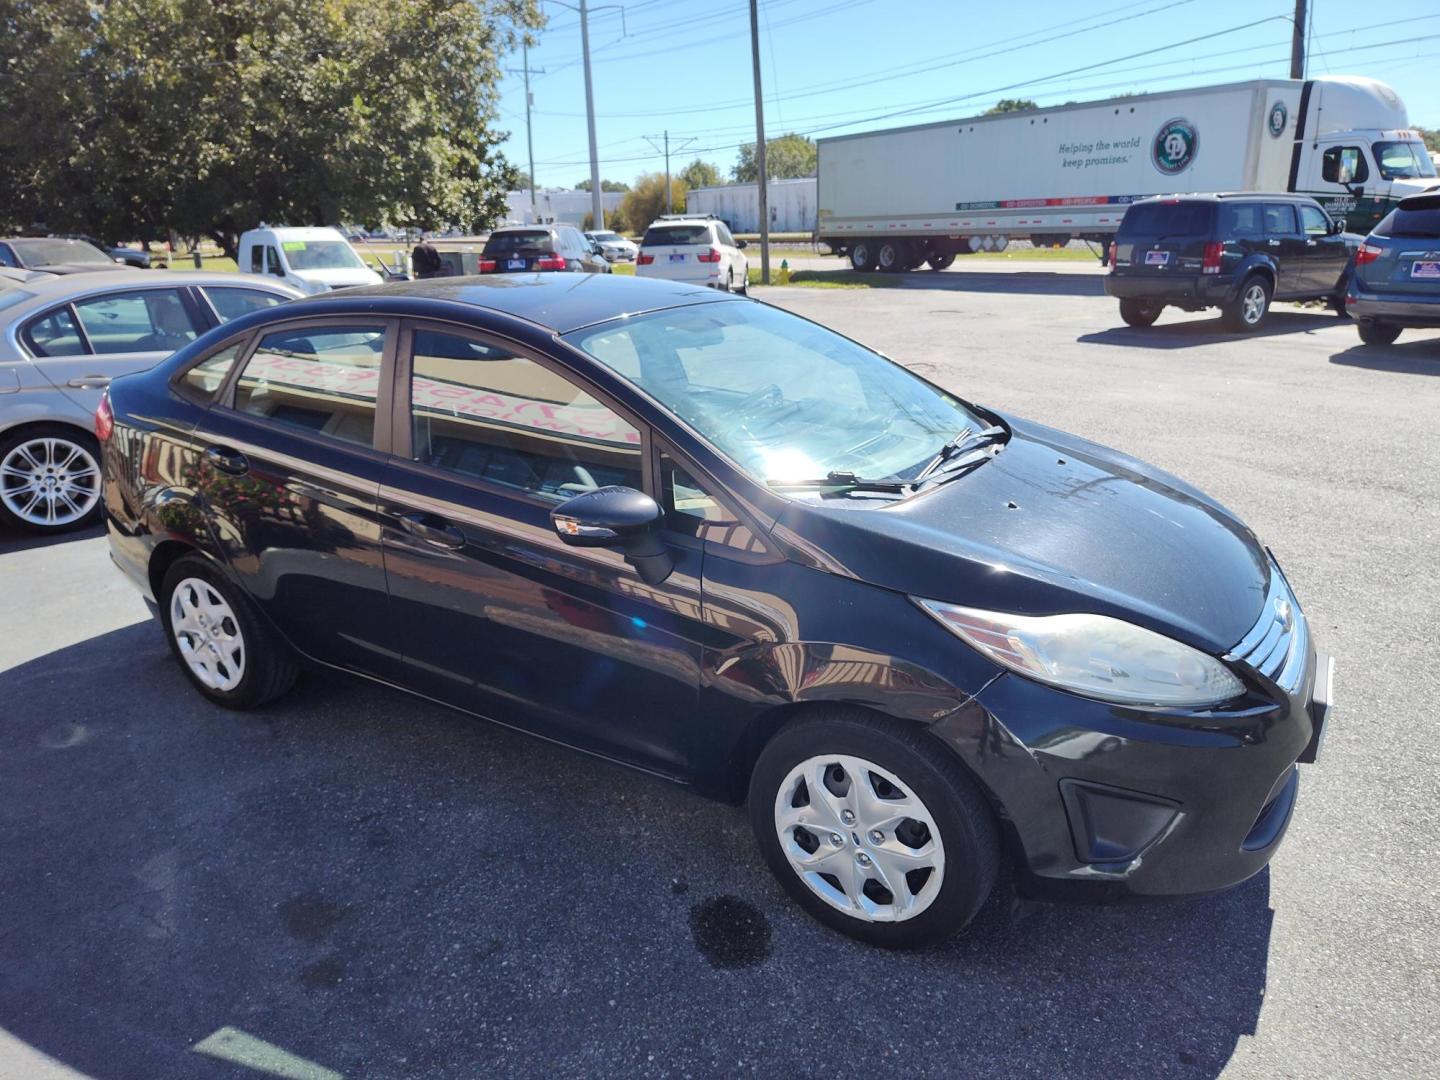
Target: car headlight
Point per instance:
(1093, 655)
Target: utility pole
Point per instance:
(664, 143)
(529, 136)
(597, 207)
(763, 173)
(1297, 42)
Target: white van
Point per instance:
(313, 260)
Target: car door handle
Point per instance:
(89, 382)
(433, 530)
(227, 460)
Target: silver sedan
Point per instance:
(62, 339)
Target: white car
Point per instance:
(698, 249)
(613, 246)
(62, 339)
(313, 260)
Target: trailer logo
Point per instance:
(1279, 117)
(1175, 146)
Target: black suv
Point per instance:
(1234, 252)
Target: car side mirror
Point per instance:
(620, 518)
(742, 244)
(1337, 226)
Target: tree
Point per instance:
(1008, 105)
(1431, 137)
(522, 180)
(700, 174)
(208, 116)
(644, 202)
(614, 220)
(605, 185)
(788, 156)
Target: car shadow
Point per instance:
(1187, 335)
(14, 540)
(382, 887)
(1404, 358)
(1028, 282)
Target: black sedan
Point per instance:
(706, 538)
(1396, 285)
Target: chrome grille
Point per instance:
(1278, 643)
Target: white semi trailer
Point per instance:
(897, 198)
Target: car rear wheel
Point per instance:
(1251, 304)
(863, 256)
(894, 256)
(49, 479)
(1376, 333)
(1139, 312)
(223, 646)
(873, 828)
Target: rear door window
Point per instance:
(1241, 220)
(1280, 220)
(667, 235)
(152, 321)
(322, 380)
(1167, 219)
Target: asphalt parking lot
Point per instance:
(355, 882)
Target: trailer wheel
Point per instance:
(894, 256)
(1137, 312)
(863, 256)
(941, 262)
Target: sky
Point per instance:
(836, 66)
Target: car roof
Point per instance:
(298, 232)
(57, 290)
(558, 302)
(1226, 196)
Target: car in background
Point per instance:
(62, 339)
(613, 246)
(1235, 252)
(515, 249)
(695, 249)
(1396, 283)
(313, 260)
(722, 544)
(54, 255)
(135, 257)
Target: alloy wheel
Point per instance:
(207, 633)
(1252, 304)
(49, 482)
(860, 839)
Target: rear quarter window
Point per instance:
(662, 235)
(1167, 219)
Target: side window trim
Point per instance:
(38, 352)
(384, 401)
(402, 430)
(178, 383)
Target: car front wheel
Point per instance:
(873, 829)
(225, 649)
(49, 479)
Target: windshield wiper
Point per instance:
(961, 446)
(849, 481)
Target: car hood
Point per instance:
(81, 268)
(340, 278)
(1055, 523)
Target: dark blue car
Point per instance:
(706, 538)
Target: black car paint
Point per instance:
(1298, 267)
(688, 678)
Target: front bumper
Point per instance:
(1201, 290)
(1101, 801)
(1417, 312)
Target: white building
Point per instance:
(792, 205)
(556, 205)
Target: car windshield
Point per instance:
(783, 398)
(321, 255)
(58, 252)
(603, 236)
(1404, 160)
(658, 235)
(520, 242)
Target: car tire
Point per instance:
(1337, 299)
(49, 479)
(863, 256)
(941, 262)
(1138, 312)
(893, 256)
(952, 842)
(222, 643)
(1246, 313)
(1373, 332)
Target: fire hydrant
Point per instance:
(784, 276)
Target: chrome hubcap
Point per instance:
(1253, 303)
(49, 482)
(207, 634)
(861, 841)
